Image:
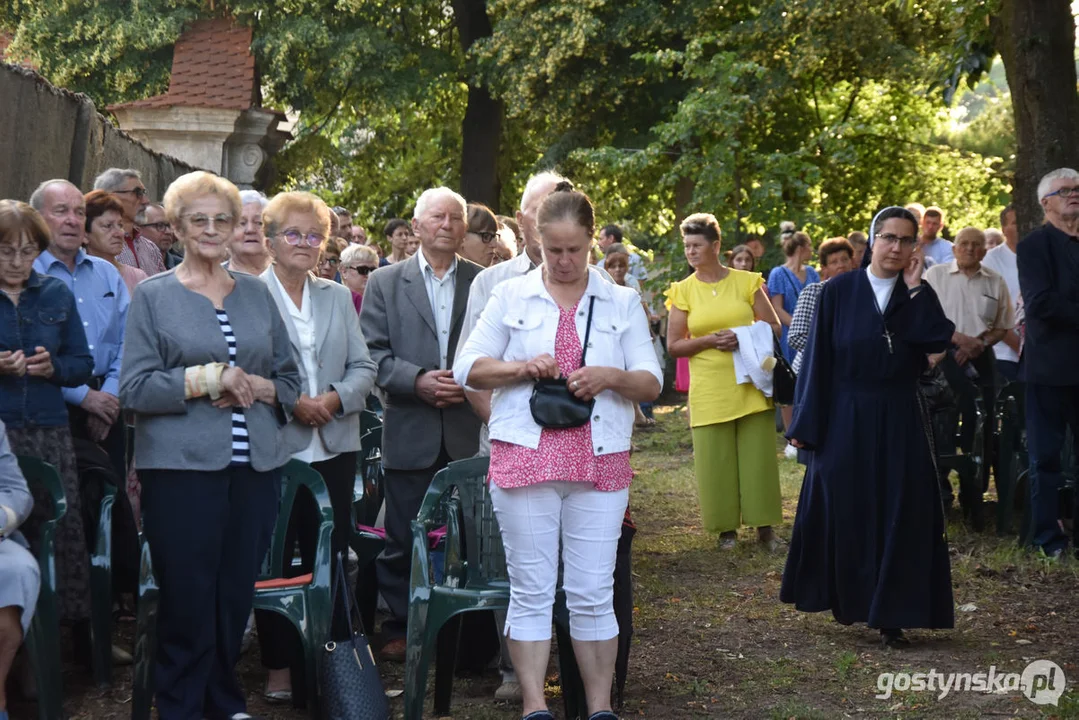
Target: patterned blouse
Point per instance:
(565, 454)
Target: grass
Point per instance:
(711, 638)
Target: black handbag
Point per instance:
(552, 403)
(783, 377)
(349, 685)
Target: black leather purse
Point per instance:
(552, 403)
(348, 680)
(783, 377)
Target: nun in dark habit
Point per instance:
(869, 538)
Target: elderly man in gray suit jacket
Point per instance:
(412, 316)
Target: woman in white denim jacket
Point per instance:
(570, 484)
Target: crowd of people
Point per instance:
(233, 332)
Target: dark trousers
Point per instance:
(209, 533)
(1050, 409)
(115, 443)
(278, 642)
(404, 490)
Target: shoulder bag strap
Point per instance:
(588, 328)
(348, 601)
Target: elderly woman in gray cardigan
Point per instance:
(209, 373)
(337, 373)
(19, 574)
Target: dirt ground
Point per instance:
(712, 640)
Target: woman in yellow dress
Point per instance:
(734, 440)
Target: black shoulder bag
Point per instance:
(783, 377)
(348, 679)
(552, 403)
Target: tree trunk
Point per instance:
(481, 131)
(1036, 40)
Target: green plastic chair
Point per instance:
(305, 600)
(475, 577)
(101, 590)
(366, 544)
(369, 473)
(43, 639)
(142, 693)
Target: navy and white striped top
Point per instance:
(241, 449)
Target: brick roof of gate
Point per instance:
(212, 67)
(5, 42)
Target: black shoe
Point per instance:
(893, 639)
(539, 715)
(603, 715)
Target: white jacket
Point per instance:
(755, 347)
(520, 322)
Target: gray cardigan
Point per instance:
(15, 499)
(170, 328)
(343, 362)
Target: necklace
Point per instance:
(12, 294)
(712, 285)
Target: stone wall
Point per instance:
(46, 132)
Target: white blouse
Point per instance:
(304, 322)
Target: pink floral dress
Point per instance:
(562, 455)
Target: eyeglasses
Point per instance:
(140, 192)
(1065, 192)
(159, 226)
(330, 260)
(486, 237)
(298, 239)
(8, 253)
(202, 222)
(360, 269)
(892, 239)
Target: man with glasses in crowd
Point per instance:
(153, 226)
(127, 186)
(1048, 261)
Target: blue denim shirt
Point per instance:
(45, 317)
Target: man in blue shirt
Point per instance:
(102, 300)
(936, 249)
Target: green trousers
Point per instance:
(737, 473)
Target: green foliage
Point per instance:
(819, 111)
(112, 51)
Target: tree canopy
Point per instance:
(819, 111)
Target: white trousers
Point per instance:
(589, 523)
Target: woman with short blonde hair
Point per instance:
(336, 374)
(209, 373)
